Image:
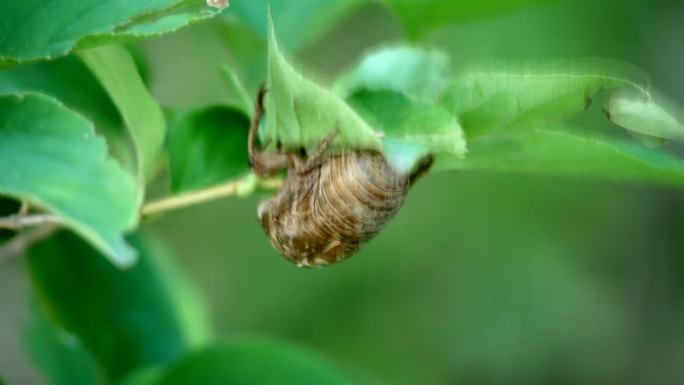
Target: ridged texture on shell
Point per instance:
(325, 215)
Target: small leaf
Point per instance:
(413, 71)
(301, 113)
(253, 362)
(208, 147)
(646, 115)
(128, 319)
(566, 153)
(116, 70)
(411, 129)
(509, 96)
(50, 157)
(60, 355)
(42, 30)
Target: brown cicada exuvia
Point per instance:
(329, 205)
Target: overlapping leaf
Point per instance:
(50, 157)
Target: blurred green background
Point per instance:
(481, 278)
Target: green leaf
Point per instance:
(51, 158)
(145, 376)
(411, 129)
(57, 78)
(60, 355)
(253, 362)
(420, 16)
(646, 114)
(301, 113)
(510, 96)
(301, 22)
(116, 70)
(208, 147)
(566, 153)
(40, 30)
(142, 316)
(413, 71)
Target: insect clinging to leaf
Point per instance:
(329, 204)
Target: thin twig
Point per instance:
(202, 196)
(23, 241)
(20, 220)
(24, 208)
(270, 184)
(47, 224)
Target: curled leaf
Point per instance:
(520, 95)
(114, 67)
(646, 114)
(300, 113)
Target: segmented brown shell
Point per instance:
(323, 215)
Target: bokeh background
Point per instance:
(482, 278)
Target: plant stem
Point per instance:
(47, 224)
(201, 196)
(22, 242)
(21, 220)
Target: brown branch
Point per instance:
(23, 241)
(22, 220)
(46, 224)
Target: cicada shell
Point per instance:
(328, 206)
